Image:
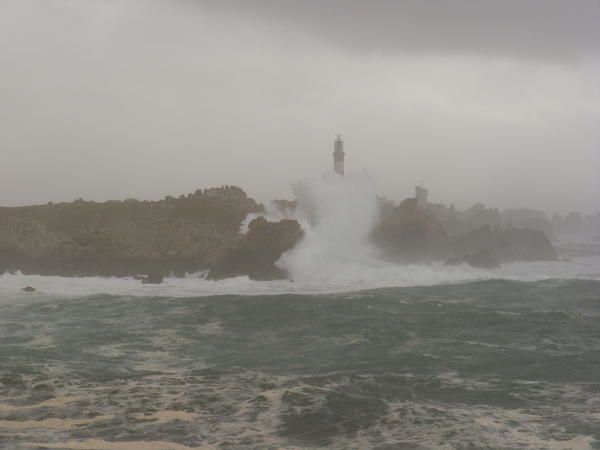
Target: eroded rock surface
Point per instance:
(257, 252)
(122, 238)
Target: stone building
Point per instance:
(338, 155)
(421, 195)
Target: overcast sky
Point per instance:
(485, 101)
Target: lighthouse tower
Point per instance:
(338, 155)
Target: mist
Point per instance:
(109, 100)
(337, 214)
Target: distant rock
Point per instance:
(28, 289)
(258, 250)
(482, 259)
(407, 234)
(528, 245)
(573, 223)
(505, 245)
(524, 218)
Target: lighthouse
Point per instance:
(338, 155)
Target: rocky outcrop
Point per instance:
(27, 245)
(201, 232)
(505, 245)
(259, 249)
(122, 238)
(407, 234)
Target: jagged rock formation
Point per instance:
(460, 222)
(505, 245)
(121, 238)
(257, 252)
(201, 231)
(407, 234)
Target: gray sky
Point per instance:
(497, 102)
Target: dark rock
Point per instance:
(155, 278)
(483, 260)
(455, 261)
(258, 250)
(29, 289)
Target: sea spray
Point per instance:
(337, 214)
(273, 213)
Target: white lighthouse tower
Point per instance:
(338, 155)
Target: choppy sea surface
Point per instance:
(417, 358)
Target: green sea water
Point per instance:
(479, 365)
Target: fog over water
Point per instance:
(113, 99)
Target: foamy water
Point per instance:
(344, 278)
(489, 364)
(442, 357)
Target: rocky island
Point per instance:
(124, 238)
(413, 233)
(201, 232)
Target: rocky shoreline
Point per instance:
(124, 238)
(201, 232)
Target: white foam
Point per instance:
(376, 276)
(337, 214)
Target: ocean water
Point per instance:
(447, 358)
(350, 353)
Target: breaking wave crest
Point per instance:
(337, 214)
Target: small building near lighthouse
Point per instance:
(338, 155)
(421, 195)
